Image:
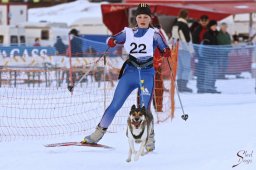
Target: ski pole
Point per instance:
(184, 116)
(71, 87)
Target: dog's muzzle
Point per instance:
(136, 123)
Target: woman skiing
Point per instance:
(137, 72)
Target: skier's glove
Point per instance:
(111, 42)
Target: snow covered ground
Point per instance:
(219, 127)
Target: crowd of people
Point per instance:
(193, 40)
(200, 42)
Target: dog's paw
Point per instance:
(149, 149)
(143, 153)
(128, 160)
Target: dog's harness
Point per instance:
(134, 62)
(137, 136)
(140, 135)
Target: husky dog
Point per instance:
(139, 125)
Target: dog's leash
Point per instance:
(141, 88)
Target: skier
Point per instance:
(137, 72)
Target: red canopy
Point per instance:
(115, 16)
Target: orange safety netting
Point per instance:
(173, 60)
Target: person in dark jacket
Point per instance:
(209, 52)
(199, 31)
(76, 44)
(194, 25)
(60, 46)
(223, 36)
(197, 38)
(223, 39)
(210, 36)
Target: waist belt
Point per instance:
(134, 62)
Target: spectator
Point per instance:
(60, 46)
(224, 39)
(197, 38)
(182, 32)
(223, 36)
(194, 25)
(155, 21)
(76, 44)
(200, 30)
(37, 42)
(211, 60)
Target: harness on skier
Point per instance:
(134, 62)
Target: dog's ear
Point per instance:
(133, 107)
(143, 109)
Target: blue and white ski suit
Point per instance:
(140, 43)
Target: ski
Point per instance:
(78, 144)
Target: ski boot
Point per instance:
(95, 136)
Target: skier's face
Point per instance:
(143, 20)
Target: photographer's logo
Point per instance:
(244, 157)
